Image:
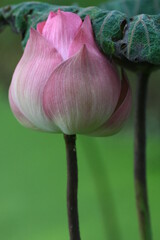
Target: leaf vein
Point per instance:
(147, 35)
(140, 20)
(103, 25)
(132, 34)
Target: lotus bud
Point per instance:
(64, 84)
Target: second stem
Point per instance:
(140, 158)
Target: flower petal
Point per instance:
(40, 27)
(61, 30)
(19, 115)
(81, 93)
(31, 74)
(83, 36)
(121, 113)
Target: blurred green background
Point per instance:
(33, 169)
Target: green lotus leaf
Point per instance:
(133, 7)
(130, 41)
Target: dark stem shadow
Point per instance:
(103, 189)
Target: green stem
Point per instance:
(72, 187)
(140, 158)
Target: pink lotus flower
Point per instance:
(63, 83)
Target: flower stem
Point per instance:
(140, 158)
(72, 187)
